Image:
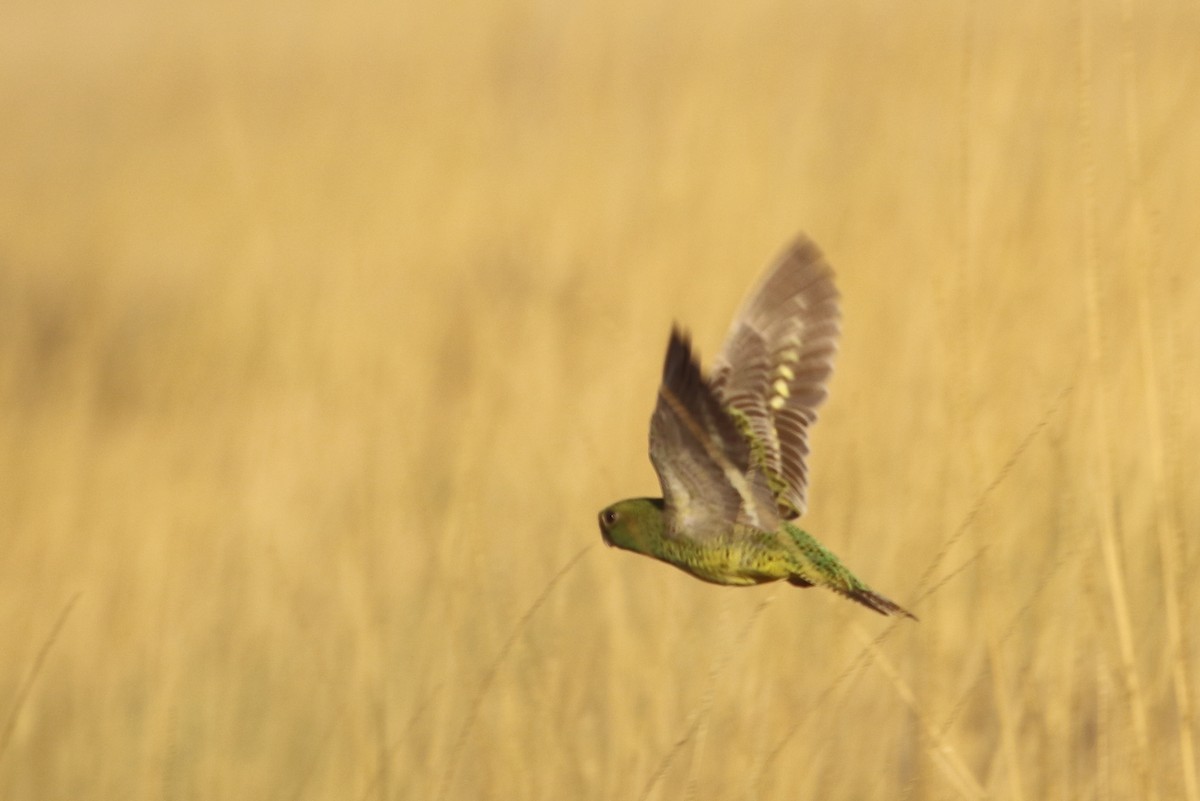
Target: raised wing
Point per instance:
(774, 365)
(702, 458)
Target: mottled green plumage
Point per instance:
(730, 449)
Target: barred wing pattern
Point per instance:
(774, 365)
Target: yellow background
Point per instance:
(327, 328)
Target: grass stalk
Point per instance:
(1107, 525)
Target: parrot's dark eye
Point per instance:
(608, 518)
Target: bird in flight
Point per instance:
(730, 447)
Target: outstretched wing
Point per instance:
(702, 458)
(773, 368)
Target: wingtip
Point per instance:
(803, 245)
(679, 356)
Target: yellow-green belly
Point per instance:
(739, 562)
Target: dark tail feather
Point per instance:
(869, 599)
(874, 600)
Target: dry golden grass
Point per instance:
(325, 330)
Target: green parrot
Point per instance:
(729, 448)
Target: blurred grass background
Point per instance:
(326, 329)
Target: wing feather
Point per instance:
(776, 362)
(702, 458)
